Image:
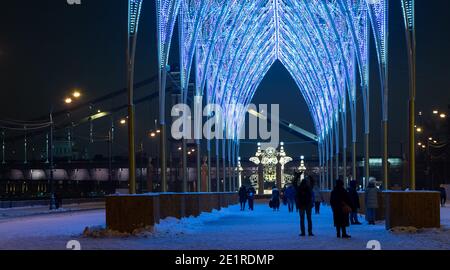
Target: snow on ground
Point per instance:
(226, 229)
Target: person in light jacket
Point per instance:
(371, 202)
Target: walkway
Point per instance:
(227, 229)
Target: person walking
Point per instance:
(305, 203)
(443, 195)
(340, 204)
(318, 198)
(251, 197)
(371, 202)
(354, 198)
(290, 197)
(242, 197)
(275, 199)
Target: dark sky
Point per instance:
(48, 47)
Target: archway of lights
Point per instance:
(324, 44)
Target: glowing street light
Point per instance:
(419, 129)
(153, 134)
(123, 121)
(430, 138)
(435, 112)
(76, 94)
(68, 101)
(442, 115)
(419, 144)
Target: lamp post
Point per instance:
(50, 151)
(134, 11)
(3, 147)
(410, 32)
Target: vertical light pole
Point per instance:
(134, 11)
(50, 151)
(3, 147)
(410, 32)
(25, 146)
(385, 97)
(217, 166)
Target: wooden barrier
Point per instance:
(192, 201)
(172, 205)
(420, 209)
(125, 213)
(215, 201)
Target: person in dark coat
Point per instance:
(443, 195)
(251, 197)
(275, 199)
(340, 204)
(290, 197)
(242, 197)
(355, 205)
(304, 196)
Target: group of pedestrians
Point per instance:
(247, 194)
(344, 203)
(305, 196)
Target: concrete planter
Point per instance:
(172, 205)
(192, 201)
(125, 213)
(420, 209)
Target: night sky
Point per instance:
(48, 47)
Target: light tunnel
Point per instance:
(324, 45)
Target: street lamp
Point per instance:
(442, 115)
(76, 94)
(68, 101)
(435, 112)
(123, 121)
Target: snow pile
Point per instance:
(167, 226)
(408, 229)
(102, 232)
(191, 224)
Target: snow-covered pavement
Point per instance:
(227, 229)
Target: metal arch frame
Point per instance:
(328, 92)
(379, 15)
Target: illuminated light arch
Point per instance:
(322, 44)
